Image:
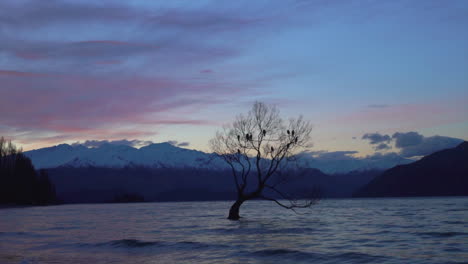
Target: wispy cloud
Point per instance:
(67, 104)
(89, 67)
(103, 69)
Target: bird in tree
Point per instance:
(263, 160)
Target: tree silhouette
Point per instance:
(260, 148)
(19, 182)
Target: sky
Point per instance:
(365, 73)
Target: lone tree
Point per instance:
(261, 149)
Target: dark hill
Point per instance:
(94, 184)
(443, 173)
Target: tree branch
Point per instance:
(293, 205)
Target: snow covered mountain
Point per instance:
(166, 155)
(119, 156)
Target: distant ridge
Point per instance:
(443, 173)
(166, 155)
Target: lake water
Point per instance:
(416, 230)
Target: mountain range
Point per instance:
(159, 155)
(164, 172)
(166, 155)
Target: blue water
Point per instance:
(416, 230)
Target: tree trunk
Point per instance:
(234, 211)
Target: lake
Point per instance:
(397, 230)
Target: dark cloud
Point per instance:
(376, 138)
(183, 144)
(382, 146)
(403, 140)
(97, 143)
(429, 145)
(172, 142)
(41, 13)
(411, 144)
(178, 144)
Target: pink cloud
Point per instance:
(184, 122)
(70, 95)
(92, 105)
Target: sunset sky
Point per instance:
(158, 71)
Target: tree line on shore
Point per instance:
(20, 183)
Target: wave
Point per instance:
(299, 230)
(456, 210)
(132, 243)
(354, 257)
(12, 233)
(455, 222)
(26, 234)
(442, 234)
(64, 228)
(197, 245)
(359, 257)
(122, 243)
(287, 252)
(135, 243)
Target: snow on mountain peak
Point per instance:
(118, 156)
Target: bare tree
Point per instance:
(260, 148)
(8, 153)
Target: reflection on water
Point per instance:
(417, 230)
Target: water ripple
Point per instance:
(390, 231)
